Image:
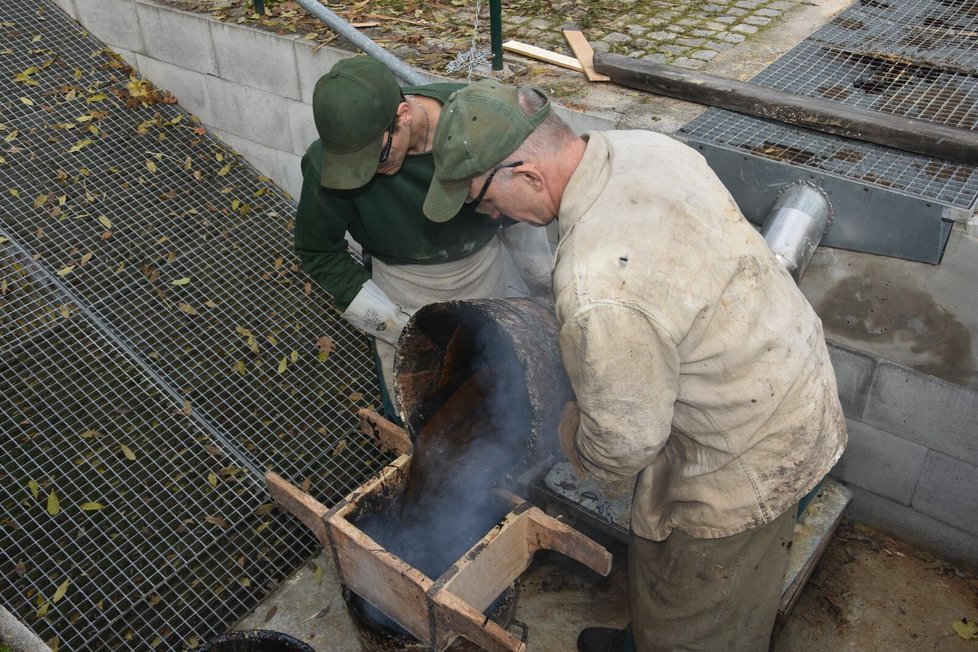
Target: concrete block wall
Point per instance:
(912, 459)
(251, 88)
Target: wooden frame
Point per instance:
(434, 610)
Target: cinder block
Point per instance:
(177, 37)
(303, 127)
(187, 86)
(250, 113)
(281, 167)
(854, 375)
(941, 539)
(924, 409)
(114, 22)
(313, 64)
(255, 58)
(946, 492)
(880, 462)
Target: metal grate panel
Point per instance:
(913, 58)
(159, 350)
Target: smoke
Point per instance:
(476, 435)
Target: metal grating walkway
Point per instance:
(159, 350)
(914, 58)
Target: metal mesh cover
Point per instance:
(913, 58)
(159, 351)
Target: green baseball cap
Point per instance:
(353, 105)
(479, 127)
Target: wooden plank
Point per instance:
(300, 504)
(382, 579)
(534, 52)
(907, 134)
(584, 53)
(454, 615)
(389, 437)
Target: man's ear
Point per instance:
(531, 175)
(403, 113)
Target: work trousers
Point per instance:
(708, 594)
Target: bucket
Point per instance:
(256, 640)
(445, 344)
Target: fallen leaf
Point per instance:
(180, 281)
(187, 308)
(54, 505)
(282, 364)
(60, 593)
(35, 489)
(80, 144)
(64, 271)
(104, 221)
(212, 479)
(223, 171)
(965, 629)
(40, 201)
(217, 520)
(270, 613)
(151, 166)
(92, 507)
(127, 452)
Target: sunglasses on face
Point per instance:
(386, 152)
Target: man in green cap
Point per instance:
(366, 178)
(700, 371)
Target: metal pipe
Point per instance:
(496, 33)
(400, 69)
(794, 227)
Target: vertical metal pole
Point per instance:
(259, 7)
(496, 33)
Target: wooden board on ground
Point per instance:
(540, 54)
(584, 53)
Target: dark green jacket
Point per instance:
(385, 217)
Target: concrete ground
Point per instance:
(870, 592)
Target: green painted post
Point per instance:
(496, 33)
(259, 7)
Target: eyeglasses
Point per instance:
(485, 186)
(386, 152)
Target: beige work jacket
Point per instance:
(698, 365)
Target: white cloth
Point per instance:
(698, 365)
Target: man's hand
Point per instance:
(570, 421)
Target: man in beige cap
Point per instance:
(700, 371)
(366, 177)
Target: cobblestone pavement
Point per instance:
(436, 35)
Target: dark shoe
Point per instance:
(602, 639)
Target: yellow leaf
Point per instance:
(98, 97)
(104, 221)
(223, 171)
(41, 199)
(60, 593)
(294, 356)
(28, 101)
(216, 520)
(151, 166)
(54, 505)
(187, 308)
(65, 310)
(2, 160)
(84, 259)
(92, 507)
(127, 452)
(14, 192)
(244, 332)
(240, 367)
(35, 40)
(320, 574)
(43, 609)
(64, 271)
(283, 363)
(3, 240)
(180, 281)
(339, 447)
(212, 479)
(965, 629)
(80, 144)
(34, 487)
(11, 136)
(253, 344)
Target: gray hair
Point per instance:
(550, 135)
